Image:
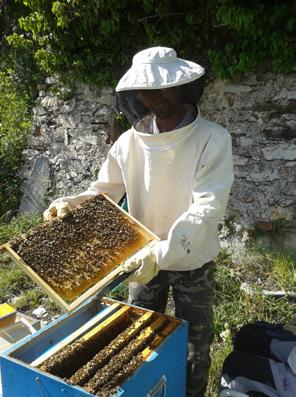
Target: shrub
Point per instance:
(93, 41)
(14, 126)
(16, 226)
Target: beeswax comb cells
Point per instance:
(72, 254)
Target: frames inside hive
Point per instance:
(73, 254)
(100, 362)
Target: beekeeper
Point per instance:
(176, 170)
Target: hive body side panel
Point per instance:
(169, 360)
(19, 380)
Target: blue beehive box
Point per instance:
(162, 371)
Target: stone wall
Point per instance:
(69, 142)
(260, 113)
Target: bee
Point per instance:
(68, 252)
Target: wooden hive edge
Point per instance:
(158, 340)
(75, 335)
(34, 276)
(112, 321)
(106, 324)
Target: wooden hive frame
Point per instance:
(92, 290)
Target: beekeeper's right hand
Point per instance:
(57, 210)
(142, 265)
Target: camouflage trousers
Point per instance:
(193, 294)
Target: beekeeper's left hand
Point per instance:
(144, 265)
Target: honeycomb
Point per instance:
(72, 254)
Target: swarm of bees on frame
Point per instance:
(71, 252)
(100, 371)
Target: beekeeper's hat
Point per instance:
(159, 67)
(153, 69)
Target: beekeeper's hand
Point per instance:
(57, 210)
(144, 265)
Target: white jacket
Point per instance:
(177, 185)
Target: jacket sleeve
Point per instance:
(198, 226)
(109, 181)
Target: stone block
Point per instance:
(66, 121)
(106, 100)
(50, 101)
(264, 176)
(237, 88)
(284, 151)
(68, 106)
(89, 139)
(35, 187)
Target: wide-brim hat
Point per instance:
(157, 68)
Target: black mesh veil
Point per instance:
(135, 111)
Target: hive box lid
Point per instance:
(73, 259)
(19, 327)
(7, 315)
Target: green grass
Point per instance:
(16, 287)
(13, 280)
(120, 293)
(233, 308)
(218, 353)
(17, 226)
(275, 270)
(284, 272)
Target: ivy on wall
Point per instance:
(93, 41)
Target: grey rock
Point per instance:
(35, 187)
(51, 80)
(39, 312)
(107, 91)
(282, 151)
(291, 164)
(39, 111)
(49, 102)
(251, 79)
(106, 100)
(283, 94)
(237, 88)
(245, 141)
(237, 160)
(266, 175)
(68, 106)
(292, 95)
(90, 139)
(101, 115)
(67, 121)
(247, 289)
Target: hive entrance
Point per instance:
(102, 359)
(71, 255)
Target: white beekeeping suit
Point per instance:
(177, 183)
(175, 168)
